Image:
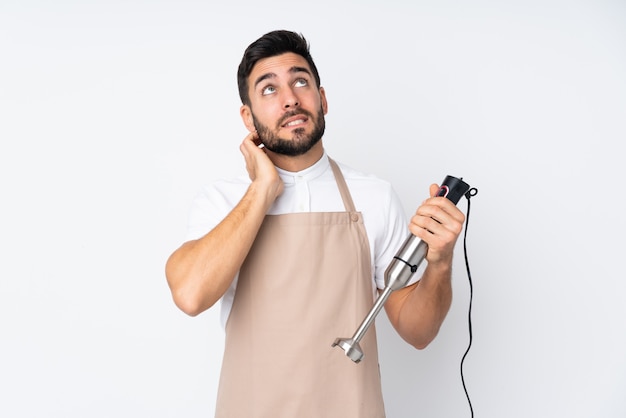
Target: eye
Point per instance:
(268, 90)
(301, 82)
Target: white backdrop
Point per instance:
(113, 114)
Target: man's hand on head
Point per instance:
(260, 168)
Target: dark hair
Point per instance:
(269, 45)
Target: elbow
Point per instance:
(185, 296)
(188, 300)
(422, 340)
(420, 344)
(187, 305)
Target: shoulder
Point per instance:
(212, 203)
(227, 191)
(375, 198)
(369, 184)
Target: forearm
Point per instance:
(200, 271)
(420, 309)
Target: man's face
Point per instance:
(286, 107)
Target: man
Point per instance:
(295, 252)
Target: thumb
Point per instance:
(434, 188)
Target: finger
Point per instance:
(250, 143)
(253, 136)
(438, 221)
(438, 212)
(434, 189)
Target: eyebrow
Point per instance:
(292, 70)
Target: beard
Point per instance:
(300, 142)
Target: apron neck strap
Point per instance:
(343, 187)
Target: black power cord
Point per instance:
(470, 193)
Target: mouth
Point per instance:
(295, 121)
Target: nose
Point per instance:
(290, 100)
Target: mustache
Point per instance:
(293, 113)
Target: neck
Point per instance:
(300, 162)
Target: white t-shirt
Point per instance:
(314, 190)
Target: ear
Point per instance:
(247, 118)
(323, 99)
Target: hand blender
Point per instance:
(399, 272)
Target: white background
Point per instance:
(113, 114)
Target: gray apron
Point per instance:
(306, 281)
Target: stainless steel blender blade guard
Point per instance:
(351, 348)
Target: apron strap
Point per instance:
(343, 187)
